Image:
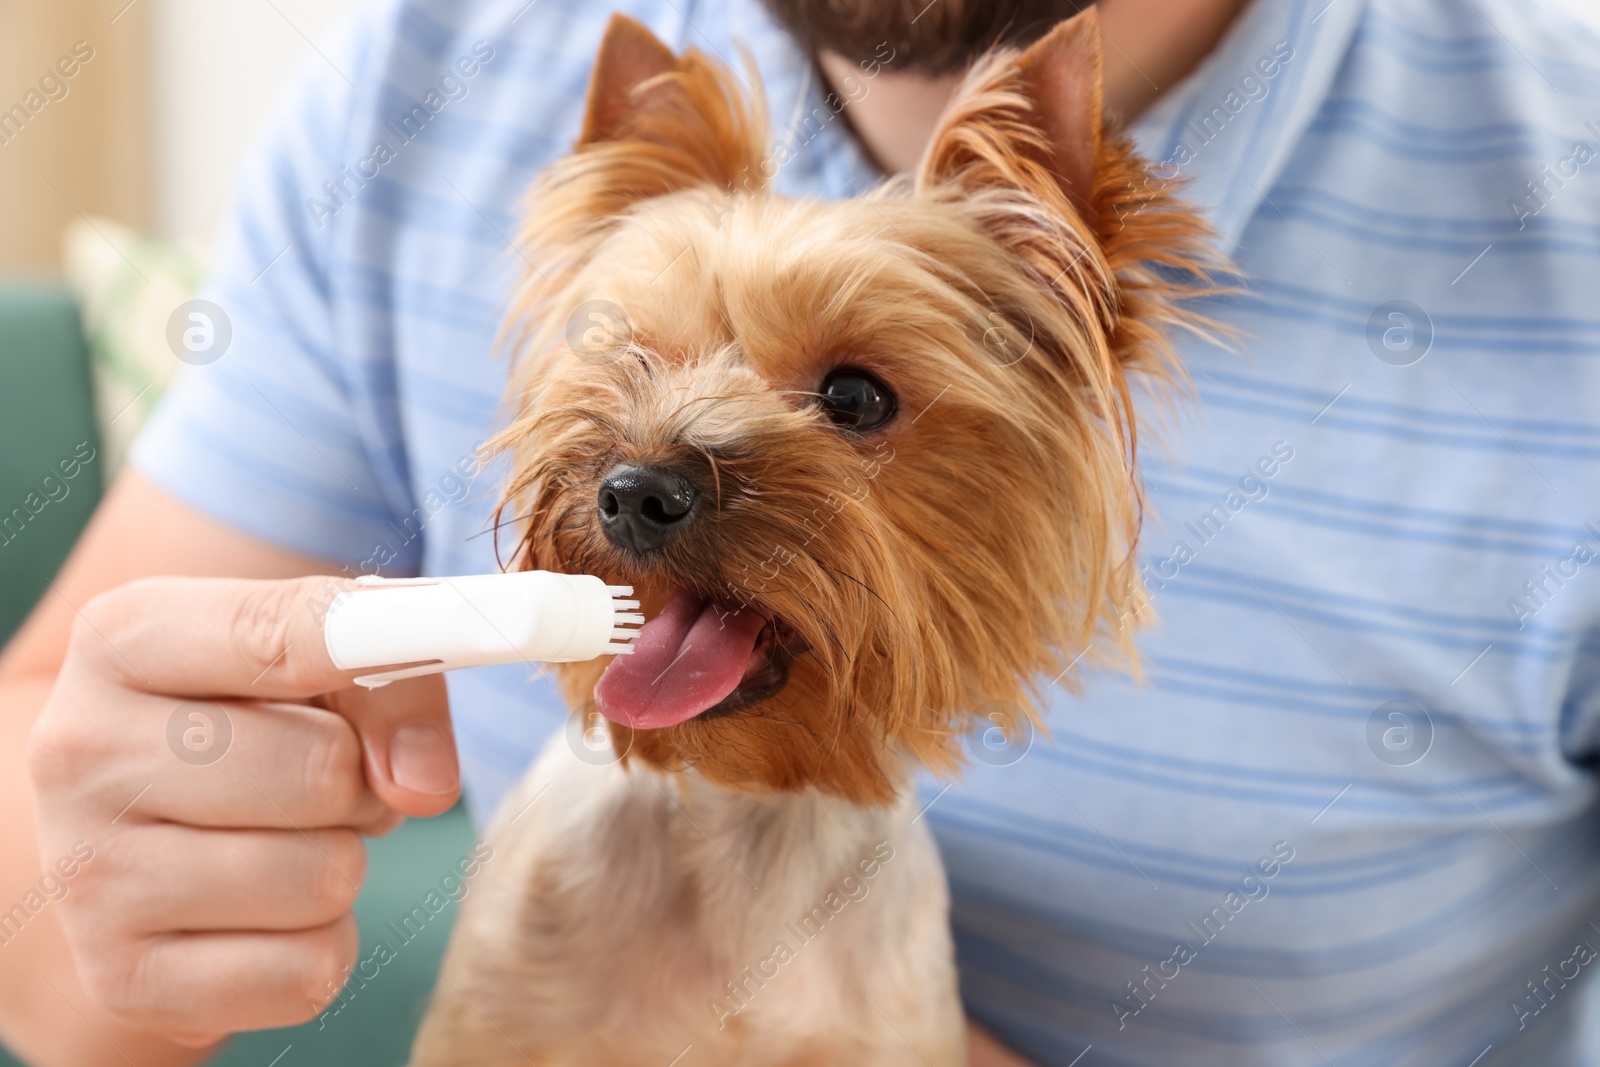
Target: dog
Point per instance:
(869, 464)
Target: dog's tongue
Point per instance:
(685, 660)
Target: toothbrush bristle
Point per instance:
(625, 619)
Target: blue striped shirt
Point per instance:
(1349, 817)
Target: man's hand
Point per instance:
(202, 750)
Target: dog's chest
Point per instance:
(628, 915)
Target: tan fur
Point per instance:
(1013, 294)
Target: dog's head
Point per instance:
(869, 463)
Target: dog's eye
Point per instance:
(856, 400)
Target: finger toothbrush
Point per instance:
(444, 624)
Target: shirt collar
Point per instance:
(1230, 127)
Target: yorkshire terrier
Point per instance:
(870, 465)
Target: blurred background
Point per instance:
(122, 129)
(151, 129)
(123, 124)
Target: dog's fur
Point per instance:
(1012, 292)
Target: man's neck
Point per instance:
(1150, 45)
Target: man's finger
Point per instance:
(232, 880)
(204, 985)
(263, 640)
(215, 636)
(230, 763)
(408, 746)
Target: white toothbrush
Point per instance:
(445, 624)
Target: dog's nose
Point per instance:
(641, 507)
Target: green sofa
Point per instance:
(47, 417)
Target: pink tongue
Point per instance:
(685, 660)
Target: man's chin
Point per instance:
(942, 38)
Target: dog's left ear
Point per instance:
(1062, 75)
(1092, 215)
(1042, 107)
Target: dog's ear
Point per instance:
(630, 55)
(654, 124)
(1062, 76)
(1024, 145)
(659, 122)
(1021, 119)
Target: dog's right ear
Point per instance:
(656, 122)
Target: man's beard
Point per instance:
(937, 37)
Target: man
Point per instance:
(1349, 815)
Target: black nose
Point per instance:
(641, 508)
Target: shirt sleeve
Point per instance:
(260, 429)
